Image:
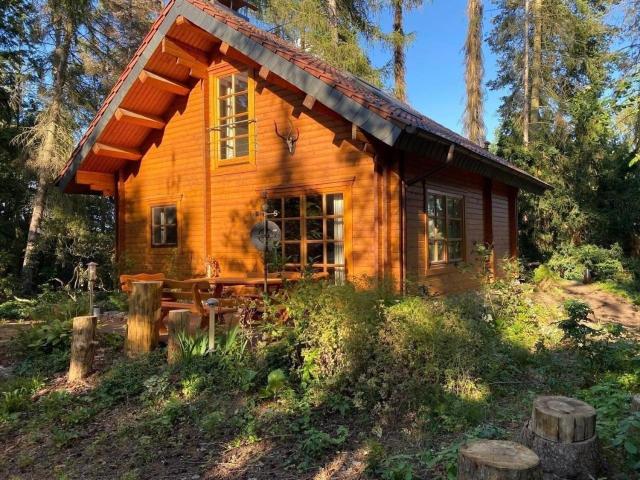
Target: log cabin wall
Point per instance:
(217, 205)
(453, 181)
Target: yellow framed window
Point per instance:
(445, 228)
(233, 124)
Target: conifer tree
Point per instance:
(474, 72)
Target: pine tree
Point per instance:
(474, 72)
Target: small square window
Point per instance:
(164, 226)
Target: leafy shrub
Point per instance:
(544, 274)
(16, 309)
(570, 261)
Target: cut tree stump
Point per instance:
(144, 313)
(497, 460)
(83, 346)
(178, 321)
(635, 403)
(562, 433)
(563, 419)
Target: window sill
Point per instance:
(236, 165)
(442, 269)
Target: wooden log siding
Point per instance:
(324, 160)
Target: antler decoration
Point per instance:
(289, 139)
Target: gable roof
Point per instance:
(374, 111)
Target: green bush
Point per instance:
(570, 261)
(16, 309)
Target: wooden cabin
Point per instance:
(213, 114)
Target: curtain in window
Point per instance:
(337, 206)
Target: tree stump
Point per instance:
(497, 460)
(178, 321)
(83, 345)
(562, 433)
(144, 313)
(635, 403)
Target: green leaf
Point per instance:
(630, 447)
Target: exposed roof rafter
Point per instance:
(140, 119)
(163, 83)
(114, 151)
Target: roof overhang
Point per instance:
(389, 132)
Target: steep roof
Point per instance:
(374, 111)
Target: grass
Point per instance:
(358, 380)
(627, 290)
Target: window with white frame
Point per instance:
(445, 229)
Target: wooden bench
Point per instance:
(192, 295)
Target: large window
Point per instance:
(312, 232)
(445, 228)
(164, 226)
(233, 120)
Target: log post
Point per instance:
(83, 345)
(635, 403)
(562, 432)
(178, 321)
(497, 460)
(144, 313)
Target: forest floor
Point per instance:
(76, 434)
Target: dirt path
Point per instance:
(607, 307)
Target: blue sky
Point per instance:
(435, 69)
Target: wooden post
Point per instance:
(177, 322)
(83, 345)
(562, 432)
(635, 403)
(497, 460)
(144, 313)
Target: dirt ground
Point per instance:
(607, 307)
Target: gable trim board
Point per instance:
(407, 137)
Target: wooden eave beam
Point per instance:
(192, 58)
(264, 72)
(182, 21)
(162, 83)
(113, 151)
(97, 181)
(224, 48)
(140, 119)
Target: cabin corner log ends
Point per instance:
(562, 432)
(497, 460)
(83, 345)
(144, 313)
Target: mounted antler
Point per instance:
(289, 139)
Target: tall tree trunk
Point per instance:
(400, 86)
(45, 154)
(474, 71)
(332, 9)
(525, 78)
(536, 62)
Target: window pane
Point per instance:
(242, 147)
(292, 230)
(292, 207)
(454, 229)
(225, 106)
(436, 228)
(172, 235)
(335, 253)
(157, 215)
(335, 229)
(454, 250)
(292, 252)
(275, 204)
(157, 236)
(226, 149)
(314, 253)
(314, 229)
(453, 207)
(335, 204)
(241, 81)
(314, 205)
(436, 251)
(241, 125)
(435, 206)
(170, 215)
(225, 86)
(241, 102)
